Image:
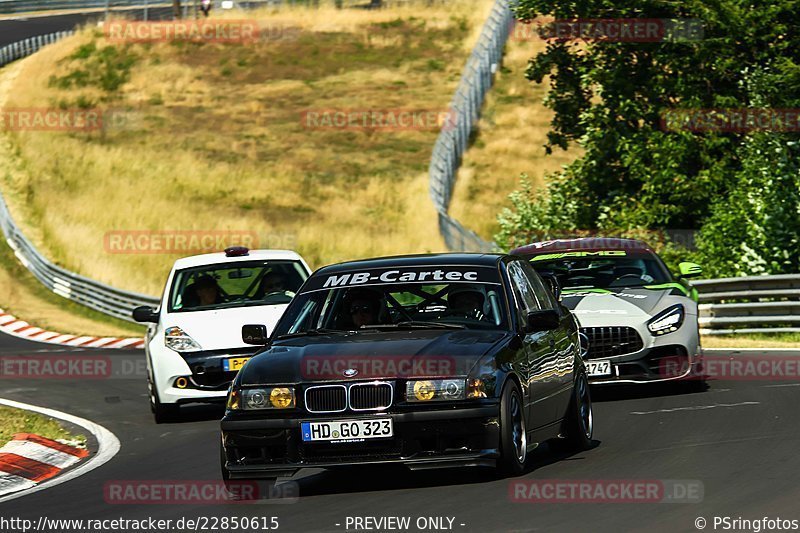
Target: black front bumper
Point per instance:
(267, 448)
(659, 364)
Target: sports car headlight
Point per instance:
(667, 321)
(262, 398)
(177, 339)
(428, 390)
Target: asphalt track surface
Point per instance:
(739, 439)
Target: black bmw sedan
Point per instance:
(429, 361)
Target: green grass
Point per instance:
(25, 297)
(18, 421)
(753, 340)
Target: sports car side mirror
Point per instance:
(553, 284)
(255, 334)
(689, 270)
(545, 320)
(145, 313)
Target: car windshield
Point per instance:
(615, 269)
(240, 284)
(408, 298)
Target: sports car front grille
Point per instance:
(370, 396)
(356, 396)
(326, 399)
(608, 341)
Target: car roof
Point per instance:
(221, 258)
(586, 244)
(441, 259)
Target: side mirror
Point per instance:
(553, 284)
(145, 313)
(690, 270)
(255, 334)
(542, 321)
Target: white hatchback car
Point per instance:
(194, 341)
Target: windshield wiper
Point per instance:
(418, 324)
(311, 333)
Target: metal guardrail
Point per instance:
(751, 304)
(465, 108)
(21, 49)
(93, 294)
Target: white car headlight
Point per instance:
(177, 339)
(667, 321)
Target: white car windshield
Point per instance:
(240, 284)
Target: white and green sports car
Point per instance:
(638, 321)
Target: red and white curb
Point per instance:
(11, 325)
(29, 459)
(30, 463)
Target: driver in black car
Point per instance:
(466, 301)
(362, 308)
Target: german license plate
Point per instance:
(345, 430)
(234, 364)
(599, 367)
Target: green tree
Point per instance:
(611, 97)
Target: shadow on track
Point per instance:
(612, 393)
(397, 477)
(198, 413)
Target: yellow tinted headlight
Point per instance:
(424, 390)
(281, 398)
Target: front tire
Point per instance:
(162, 412)
(513, 436)
(580, 418)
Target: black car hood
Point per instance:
(392, 354)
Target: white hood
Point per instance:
(606, 310)
(221, 329)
